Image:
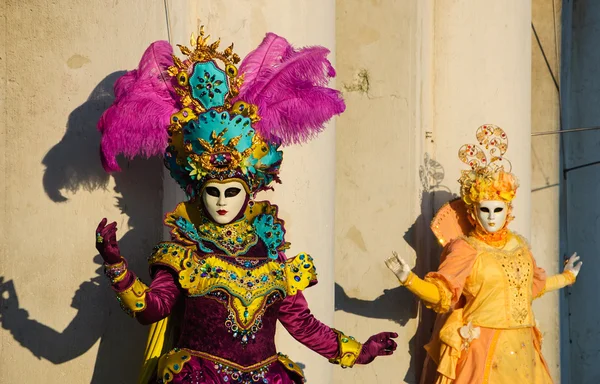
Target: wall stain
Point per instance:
(77, 61)
(360, 84)
(356, 237)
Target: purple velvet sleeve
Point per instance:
(295, 316)
(160, 298)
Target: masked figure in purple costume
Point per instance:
(223, 281)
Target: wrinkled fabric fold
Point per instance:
(451, 342)
(458, 259)
(558, 281)
(160, 299)
(295, 316)
(201, 371)
(539, 280)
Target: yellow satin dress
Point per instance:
(487, 331)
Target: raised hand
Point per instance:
(571, 266)
(380, 344)
(11, 316)
(106, 242)
(397, 265)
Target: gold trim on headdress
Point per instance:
(490, 176)
(494, 140)
(204, 52)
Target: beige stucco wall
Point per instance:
(483, 75)
(415, 89)
(377, 184)
(59, 62)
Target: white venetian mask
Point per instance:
(492, 214)
(224, 201)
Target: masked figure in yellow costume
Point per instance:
(487, 280)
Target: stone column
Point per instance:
(482, 72)
(419, 78)
(58, 63)
(546, 178)
(383, 48)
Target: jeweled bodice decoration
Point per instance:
(258, 224)
(245, 287)
(499, 289)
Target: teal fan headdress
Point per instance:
(220, 123)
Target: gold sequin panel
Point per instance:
(518, 269)
(499, 290)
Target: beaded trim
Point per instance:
(116, 272)
(133, 299)
(240, 329)
(231, 372)
(260, 220)
(348, 350)
(517, 265)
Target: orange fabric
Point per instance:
(497, 287)
(451, 222)
(471, 366)
(539, 280)
(502, 356)
(456, 267)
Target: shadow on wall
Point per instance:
(398, 304)
(74, 164)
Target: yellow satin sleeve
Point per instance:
(348, 350)
(133, 299)
(557, 282)
(433, 292)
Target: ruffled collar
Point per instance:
(259, 222)
(497, 239)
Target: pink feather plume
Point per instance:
(136, 123)
(289, 87)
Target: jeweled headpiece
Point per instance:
(490, 176)
(213, 121)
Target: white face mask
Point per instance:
(492, 215)
(224, 201)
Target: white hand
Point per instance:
(571, 266)
(397, 265)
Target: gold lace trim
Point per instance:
(443, 305)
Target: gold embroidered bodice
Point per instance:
(248, 282)
(499, 289)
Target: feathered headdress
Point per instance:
(213, 121)
(489, 178)
(137, 121)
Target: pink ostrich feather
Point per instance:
(136, 123)
(289, 87)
